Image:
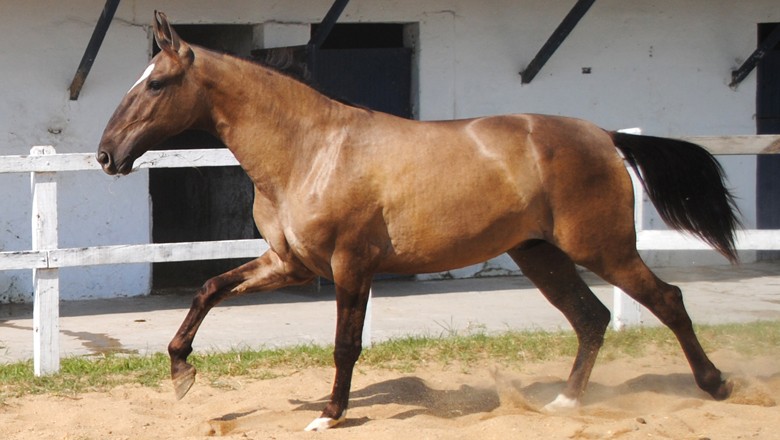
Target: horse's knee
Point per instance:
(592, 321)
(208, 295)
(209, 289)
(211, 285)
(346, 353)
(598, 316)
(596, 326)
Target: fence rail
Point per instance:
(46, 257)
(37, 162)
(42, 160)
(132, 253)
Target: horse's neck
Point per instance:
(270, 122)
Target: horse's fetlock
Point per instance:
(711, 381)
(332, 411)
(177, 350)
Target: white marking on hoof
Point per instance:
(144, 75)
(562, 403)
(325, 423)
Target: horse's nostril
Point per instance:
(103, 158)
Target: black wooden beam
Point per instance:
(92, 48)
(555, 40)
(323, 30)
(765, 46)
(319, 37)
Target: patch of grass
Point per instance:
(84, 374)
(528, 346)
(762, 337)
(261, 363)
(637, 342)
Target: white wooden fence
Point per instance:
(45, 258)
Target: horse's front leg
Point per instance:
(268, 272)
(351, 302)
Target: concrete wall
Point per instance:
(42, 44)
(663, 65)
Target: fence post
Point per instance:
(46, 307)
(625, 310)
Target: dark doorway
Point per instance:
(368, 65)
(201, 204)
(768, 122)
(365, 64)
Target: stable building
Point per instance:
(673, 68)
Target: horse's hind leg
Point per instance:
(666, 302)
(268, 272)
(554, 273)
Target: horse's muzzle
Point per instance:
(105, 160)
(110, 166)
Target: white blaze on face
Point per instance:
(145, 75)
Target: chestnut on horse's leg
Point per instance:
(665, 301)
(351, 303)
(268, 272)
(554, 273)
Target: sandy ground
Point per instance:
(650, 397)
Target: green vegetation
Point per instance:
(84, 374)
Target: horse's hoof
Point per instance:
(724, 390)
(183, 381)
(561, 404)
(325, 423)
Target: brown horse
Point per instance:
(343, 193)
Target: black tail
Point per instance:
(685, 183)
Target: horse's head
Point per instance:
(164, 102)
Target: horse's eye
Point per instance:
(155, 85)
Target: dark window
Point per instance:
(204, 204)
(364, 36)
(768, 122)
(367, 65)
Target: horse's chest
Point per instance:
(309, 241)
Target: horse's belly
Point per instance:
(443, 258)
(450, 240)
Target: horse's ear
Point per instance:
(166, 37)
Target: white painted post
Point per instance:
(46, 307)
(367, 322)
(625, 310)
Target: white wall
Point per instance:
(42, 44)
(663, 65)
